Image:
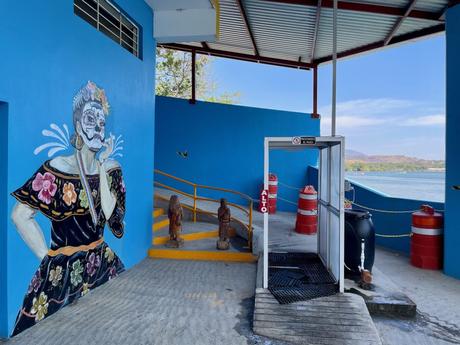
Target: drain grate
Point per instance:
(291, 259)
(285, 278)
(295, 277)
(317, 274)
(286, 295)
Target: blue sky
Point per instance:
(389, 102)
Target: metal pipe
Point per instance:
(334, 68)
(194, 203)
(193, 99)
(265, 239)
(315, 92)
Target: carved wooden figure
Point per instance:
(175, 223)
(224, 216)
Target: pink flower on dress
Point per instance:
(44, 184)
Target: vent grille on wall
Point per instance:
(108, 19)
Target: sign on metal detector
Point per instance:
(264, 201)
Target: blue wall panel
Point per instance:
(225, 145)
(47, 54)
(452, 227)
(3, 216)
(385, 223)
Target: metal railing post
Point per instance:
(194, 203)
(250, 224)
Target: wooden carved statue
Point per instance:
(224, 216)
(175, 223)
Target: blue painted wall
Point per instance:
(385, 223)
(47, 54)
(3, 215)
(225, 145)
(452, 227)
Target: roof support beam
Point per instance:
(398, 39)
(193, 99)
(399, 21)
(238, 56)
(315, 34)
(315, 114)
(364, 7)
(248, 27)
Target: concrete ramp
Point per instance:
(341, 319)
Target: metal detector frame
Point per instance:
(331, 184)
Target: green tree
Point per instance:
(174, 77)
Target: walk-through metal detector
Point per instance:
(331, 171)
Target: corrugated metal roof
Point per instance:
(286, 31)
(353, 30)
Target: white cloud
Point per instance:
(430, 120)
(367, 107)
(389, 126)
(353, 121)
(381, 111)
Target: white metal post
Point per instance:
(265, 252)
(342, 215)
(334, 68)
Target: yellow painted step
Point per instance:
(188, 237)
(160, 225)
(201, 255)
(158, 212)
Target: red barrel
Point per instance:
(307, 211)
(426, 244)
(272, 192)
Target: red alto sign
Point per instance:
(264, 201)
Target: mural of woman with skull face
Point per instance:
(79, 193)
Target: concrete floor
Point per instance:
(158, 302)
(192, 302)
(437, 296)
(438, 303)
(196, 302)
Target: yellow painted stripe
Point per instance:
(160, 225)
(188, 237)
(158, 212)
(201, 255)
(192, 237)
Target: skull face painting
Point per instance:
(92, 126)
(80, 204)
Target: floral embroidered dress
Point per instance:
(79, 259)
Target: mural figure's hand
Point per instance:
(108, 144)
(108, 198)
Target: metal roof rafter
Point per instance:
(315, 34)
(399, 21)
(365, 7)
(398, 39)
(248, 27)
(238, 56)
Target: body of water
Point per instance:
(427, 185)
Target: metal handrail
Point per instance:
(195, 198)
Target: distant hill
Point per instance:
(358, 161)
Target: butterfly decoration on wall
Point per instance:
(183, 154)
(60, 141)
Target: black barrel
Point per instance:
(358, 228)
